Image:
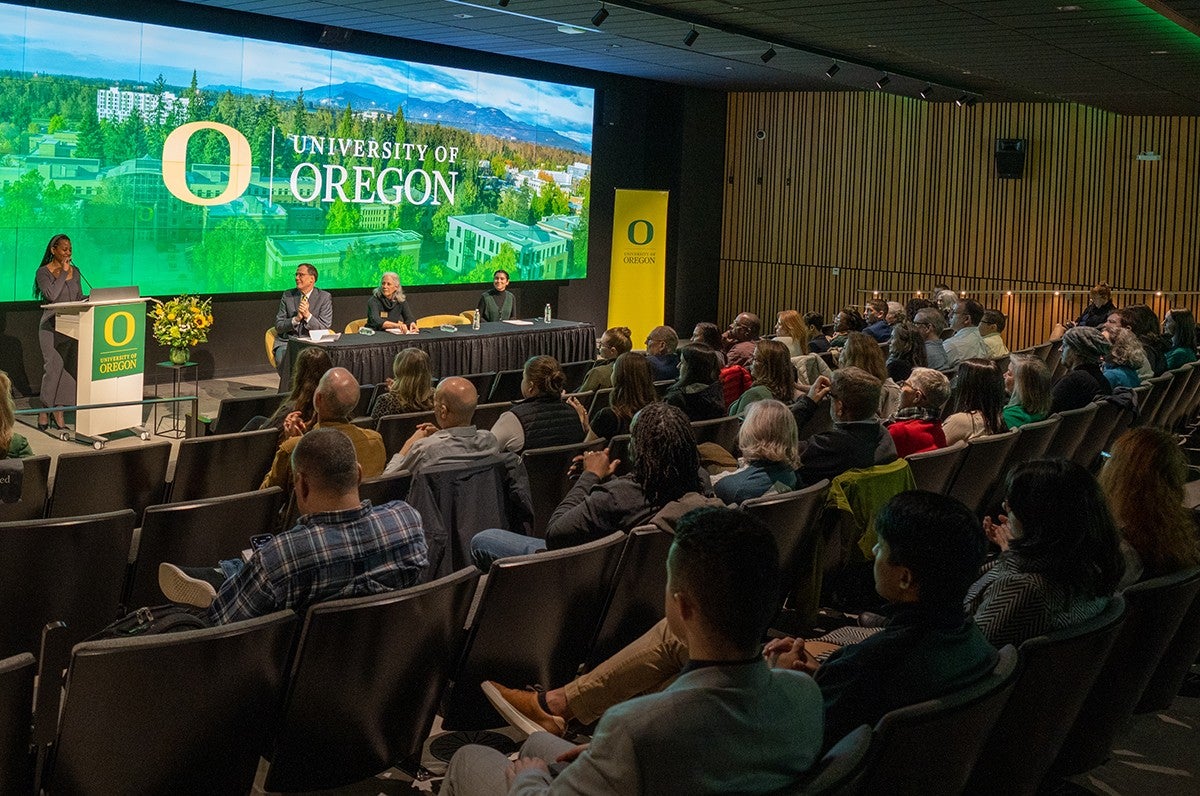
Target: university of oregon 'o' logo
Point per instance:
(646, 232)
(174, 163)
(110, 324)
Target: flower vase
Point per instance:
(179, 356)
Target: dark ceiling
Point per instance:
(1126, 56)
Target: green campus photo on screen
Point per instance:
(181, 161)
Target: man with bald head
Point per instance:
(454, 438)
(334, 400)
(741, 338)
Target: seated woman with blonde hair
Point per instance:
(795, 333)
(769, 444)
(1027, 382)
(13, 445)
(410, 389)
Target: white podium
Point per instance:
(111, 362)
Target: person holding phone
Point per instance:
(57, 280)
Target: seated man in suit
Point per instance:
(722, 588)
(339, 547)
(454, 438)
(334, 401)
(857, 438)
(304, 307)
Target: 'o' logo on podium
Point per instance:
(632, 232)
(174, 163)
(110, 324)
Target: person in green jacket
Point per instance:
(1027, 382)
(15, 446)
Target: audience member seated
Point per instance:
(795, 333)
(665, 466)
(542, 419)
(906, 351)
(818, 343)
(929, 543)
(917, 426)
(863, 351)
(1124, 356)
(944, 298)
(12, 444)
(335, 398)
(633, 388)
(613, 343)
(931, 323)
(774, 377)
(454, 439)
(708, 334)
(1082, 350)
(768, 442)
(740, 339)
(339, 547)
(698, 392)
(728, 724)
(966, 342)
(977, 402)
(990, 327)
(1179, 327)
(1061, 558)
(387, 307)
(877, 322)
(915, 305)
(661, 353)
(311, 365)
(410, 389)
(1115, 321)
(847, 320)
(1027, 382)
(1142, 321)
(857, 438)
(1099, 307)
(1144, 484)
(929, 552)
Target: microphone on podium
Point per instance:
(81, 276)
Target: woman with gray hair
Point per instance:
(917, 425)
(1124, 358)
(387, 308)
(1082, 350)
(769, 443)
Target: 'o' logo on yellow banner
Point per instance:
(632, 232)
(174, 163)
(110, 325)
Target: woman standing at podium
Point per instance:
(57, 280)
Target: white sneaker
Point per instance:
(180, 587)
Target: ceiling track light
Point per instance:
(691, 37)
(769, 54)
(832, 70)
(599, 17)
(883, 80)
(926, 92)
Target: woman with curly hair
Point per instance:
(1123, 359)
(977, 405)
(847, 320)
(542, 419)
(665, 466)
(633, 388)
(1144, 484)
(774, 377)
(1027, 382)
(863, 351)
(410, 389)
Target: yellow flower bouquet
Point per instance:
(181, 323)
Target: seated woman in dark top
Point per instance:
(310, 366)
(1082, 349)
(387, 308)
(542, 419)
(665, 467)
(1061, 561)
(633, 388)
(496, 304)
(769, 445)
(698, 392)
(1099, 307)
(1143, 482)
(1179, 327)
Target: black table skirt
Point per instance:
(495, 347)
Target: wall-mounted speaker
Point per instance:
(1010, 158)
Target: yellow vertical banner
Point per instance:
(637, 283)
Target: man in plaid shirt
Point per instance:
(340, 546)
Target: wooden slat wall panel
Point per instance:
(897, 194)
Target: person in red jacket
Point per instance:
(917, 425)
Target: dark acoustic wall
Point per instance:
(647, 135)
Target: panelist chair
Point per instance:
(434, 321)
(269, 340)
(354, 326)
